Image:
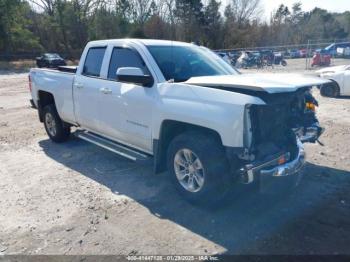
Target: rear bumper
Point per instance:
(272, 175)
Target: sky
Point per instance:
(307, 5)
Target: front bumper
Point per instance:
(273, 173)
(309, 134)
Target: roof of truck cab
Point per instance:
(147, 42)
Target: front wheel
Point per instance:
(198, 167)
(56, 129)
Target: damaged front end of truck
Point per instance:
(275, 133)
(275, 129)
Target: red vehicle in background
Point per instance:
(320, 59)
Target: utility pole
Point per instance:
(307, 55)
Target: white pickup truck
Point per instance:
(184, 107)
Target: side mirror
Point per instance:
(134, 75)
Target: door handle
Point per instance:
(106, 90)
(78, 85)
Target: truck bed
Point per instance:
(59, 83)
(60, 69)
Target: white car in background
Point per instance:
(340, 77)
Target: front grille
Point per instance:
(272, 129)
(270, 122)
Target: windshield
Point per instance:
(183, 62)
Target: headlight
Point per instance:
(310, 106)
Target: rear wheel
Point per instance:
(198, 167)
(57, 130)
(330, 90)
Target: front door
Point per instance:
(126, 109)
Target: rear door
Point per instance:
(126, 109)
(86, 89)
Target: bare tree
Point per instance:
(142, 10)
(166, 12)
(244, 10)
(45, 5)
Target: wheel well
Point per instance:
(335, 84)
(45, 98)
(170, 129)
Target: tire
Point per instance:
(56, 129)
(284, 63)
(330, 90)
(214, 174)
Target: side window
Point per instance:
(93, 61)
(124, 57)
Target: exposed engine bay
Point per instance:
(276, 126)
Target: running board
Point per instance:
(112, 146)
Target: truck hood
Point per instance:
(270, 83)
(333, 69)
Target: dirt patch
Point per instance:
(75, 198)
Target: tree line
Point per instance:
(67, 25)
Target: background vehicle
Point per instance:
(321, 59)
(230, 57)
(50, 60)
(270, 58)
(225, 57)
(340, 85)
(343, 51)
(332, 48)
(294, 53)
(279, 59)
(234, 55)
(302, 53)
(184, 108)
(249, 59)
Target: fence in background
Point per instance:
(312, 43)
(309, 48)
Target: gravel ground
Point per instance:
(76, 198)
